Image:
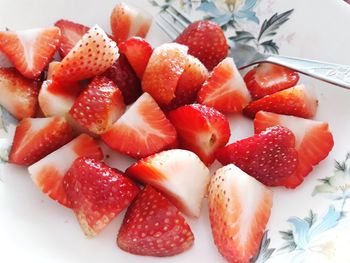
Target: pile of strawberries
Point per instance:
(175, 125)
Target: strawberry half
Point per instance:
(98, 106)
(138, 52)
(225, 89)
(36, 138)
(268, 78)
(142, 130)
(127, 21)
(200, 129)
(97, 193)
(163, 72)
(313, 141)
(270, 156)
(297, 101)
(239, 209)
(179, 174)
(93, 54)
(71, 33)
(122, 74)
(190, 82)
(48, 173)
(153, 226)
(18, 95)
(206, 41)
(30, 51)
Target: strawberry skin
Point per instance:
(48, 173)
(239, 209)
(122, 74)
(206, 41)
(138, 52)
(153, 226)
(190, 82)
(18, 95)
(36, 138)
(200, 129)
(71, 33)
(30, 51)
(268, 78)
(313, 140)
(179, 174)
(127, 21)
(142, 130)
(270, 156)
(93, 54)
(97, 193)
(98, 106)
(225, 89)
(296, 101)
(163, 72)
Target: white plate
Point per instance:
(35, 229)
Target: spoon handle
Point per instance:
(332, 73)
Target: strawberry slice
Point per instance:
(200, 129)
(239, 209)
(122, 74)
(36, 138)
(55, 97)
(18, 95)
(270, 156)
(190, 82)
(297, 101)
(206, 41)
(179, 174)
(71, 33)
(97, 193)
(127, 21)
(268, 78)
(142, 130)
(98, 106)
(138, 52)
(30, 50)
(93, 54)
(153, 226)
(225, 89)
(163, 72)
(313, 141)
(48, 173)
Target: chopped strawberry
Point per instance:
(18, 95)
(313, 141)
(163, 72)
(138, 51)
(71, 33)
(93, 54)
(206, 41)
(48, 173)
(122, 74)
(270, 156)
(31, 50)
(268, 78)
(239, 209)
(127, 21)
(200, 129)
(179, 174)
(97, 193)
(36, 138)
(225, 89)
(190, 82)
(297, 101)
(142, 130)
(153, 226)
(98, 106)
